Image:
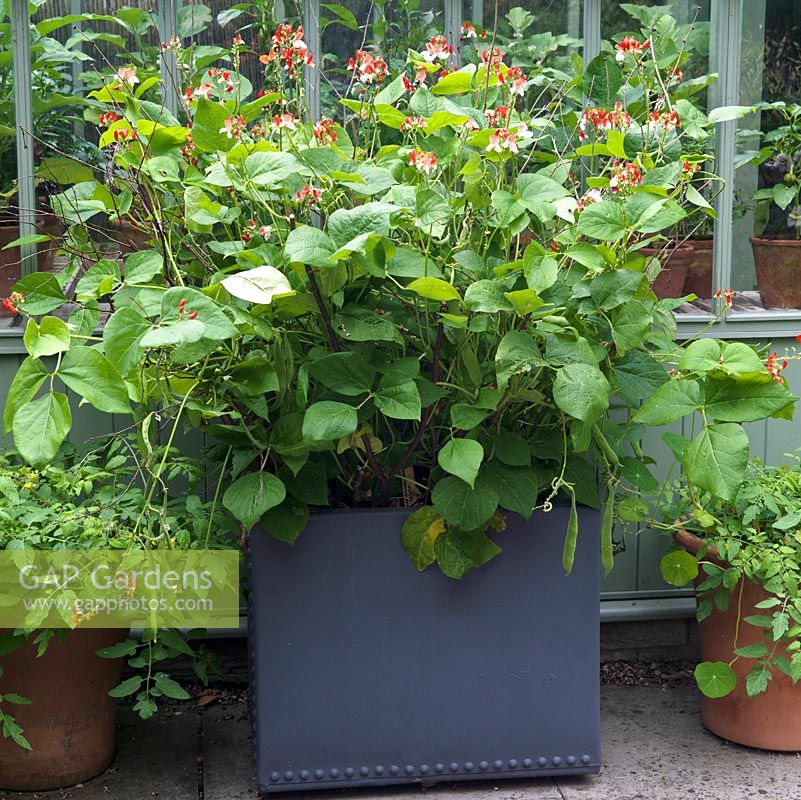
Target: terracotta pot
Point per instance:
(771, 720)
(669, 282)
(70, 721)
(699, 271)
(10, 267)
(778, 269)
(130, 238)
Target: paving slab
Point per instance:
(654, 747)
(156, 758)
(227, 754)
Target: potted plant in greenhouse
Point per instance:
(354, 314)
(87, 502)
(51, 96)
(742, 551)
(777, 221)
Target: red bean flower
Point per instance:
(368, 69)
(727, 295)
(108, 118)
(601, 120)
(423, 161)
(324, 132)
(11, 303)
(415, 123)
(289, 49)
(624, 177)
(233, 126)
(775, 367)
(437, 49)
(628, 45)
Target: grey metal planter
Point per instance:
(365, 672)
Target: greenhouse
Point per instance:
(399, 394)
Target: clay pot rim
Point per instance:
(693, 544)
(671, 247)
(697, 244)
(774, 242)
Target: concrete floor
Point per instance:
(655, 748)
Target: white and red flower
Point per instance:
(628, 45)
(204, 91)
(108, 118)
(233, 126)
(368, 69)
(588, 198)
(423, 160)
(497, 116)
(727, 295)
(437, 49)
(492, 57)
(468, 31)
(287, 121)
(601, 120)
(665, 120)
(309, 194)
(516, 80)
(324, 132)
(416, 123)
(128, 75)
(775, 367)
(289, 49)
(625, 176)
(419, 80)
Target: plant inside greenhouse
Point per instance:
(367, 346)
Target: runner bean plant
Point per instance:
(438, 302)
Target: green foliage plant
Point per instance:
(107, 497)
(753, 535)
(779, 161)
(439, 304)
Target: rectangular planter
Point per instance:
(365, 672)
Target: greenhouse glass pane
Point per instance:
(539, 32)
(381, 27)
(686, 250)
(766, 273)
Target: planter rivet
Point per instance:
(483, 764)
(571, 760)
(350, 772)
(469, 766)
(557, 760)
(498, 764)
(440, 768)
(394, 770)
(585, 759)
(424, 769)
(513, 763)
(289, 775)
(454, 766)
(334, 773)
(542, 761)
(409, 769)
(305, 774)
(275, 776)
(364, 771)
(379, 770)
(527, 762)
(319, 774)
